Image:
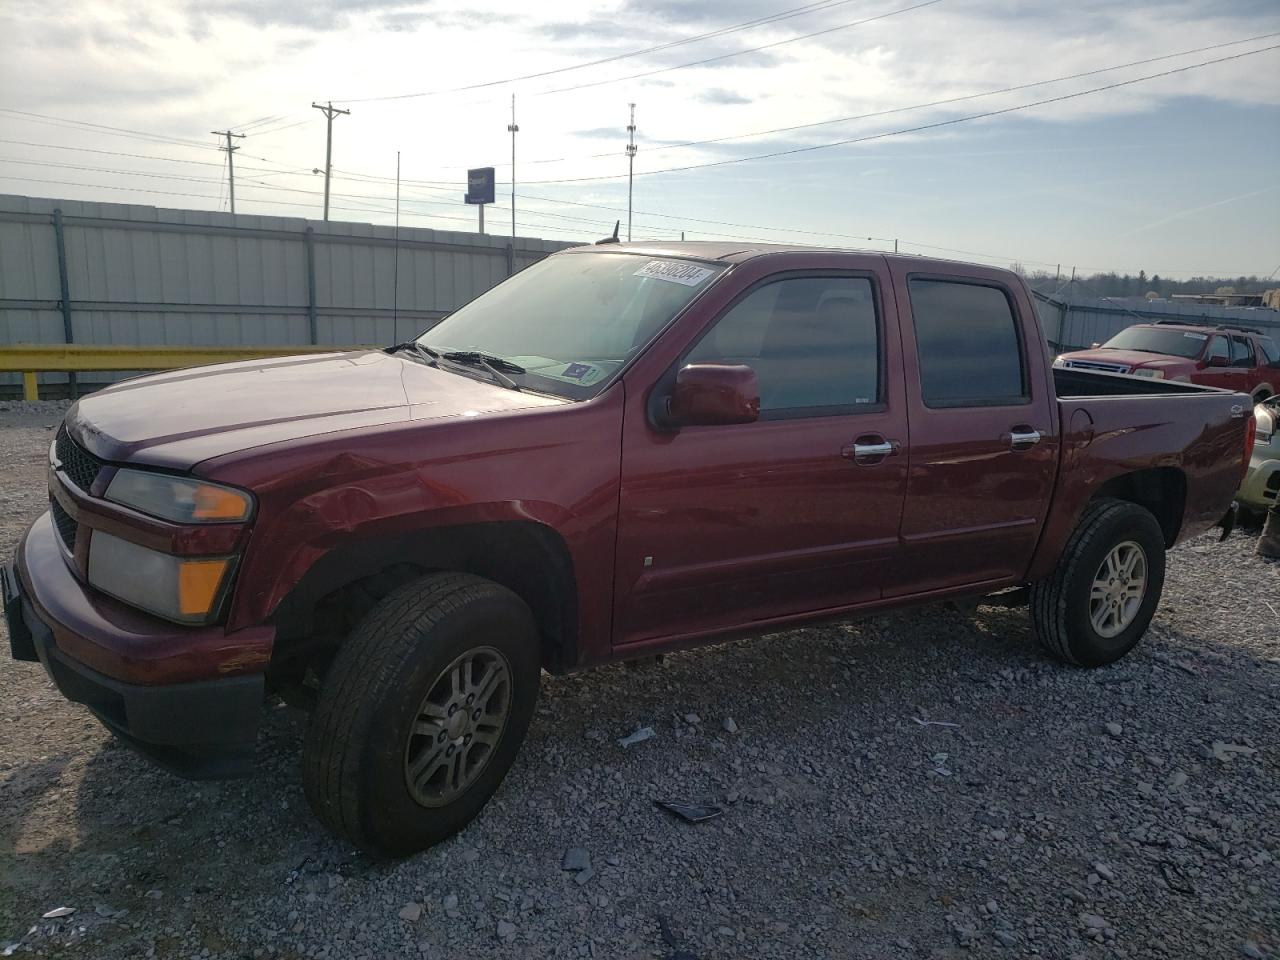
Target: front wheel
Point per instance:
(422, 713)
(1099, 600)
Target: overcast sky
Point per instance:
(1176, 175)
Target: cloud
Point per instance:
(601, 133)
(309, 14)
(719, 95)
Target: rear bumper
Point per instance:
(199, 728)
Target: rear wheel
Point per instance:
(1100, 599)
(422, 713)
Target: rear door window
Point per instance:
(1241, 352)
(969, 345)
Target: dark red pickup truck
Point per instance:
(620, 451)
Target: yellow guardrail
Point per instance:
(30, 359)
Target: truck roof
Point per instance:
(741, 251)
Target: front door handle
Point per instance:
(869, 449)
(1023, 438)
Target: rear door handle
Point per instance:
(1023, 438)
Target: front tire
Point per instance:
(1099, 600)
(422, 713)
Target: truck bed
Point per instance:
(1071, 384)
(1186, 452)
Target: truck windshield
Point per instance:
(1172, 343)
(569, 322)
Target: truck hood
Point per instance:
(178, 418)
(1128, 358)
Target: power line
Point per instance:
(895, 110)
(270, 118)
(115, 153)
(108, 130)
(277, 129)
(723, 31)
(922, 127)
(389, 211)
(675, 146)
(936, 103)
(738, 53)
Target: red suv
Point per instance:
(1235, 358)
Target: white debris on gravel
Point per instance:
(411, 912)
(640, 736)
(838, 838)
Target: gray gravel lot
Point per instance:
(1052, 811)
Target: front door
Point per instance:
(1216, 360)
(984, 436)
(723, 527)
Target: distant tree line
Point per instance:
(1130, 285)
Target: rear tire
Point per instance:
(422, 713)
(1091, 610)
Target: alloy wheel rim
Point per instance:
(1118, 588)
(458, 726)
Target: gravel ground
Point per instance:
(1048, 811)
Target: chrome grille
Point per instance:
(79, 465)
(64, 522)
(1096, 365)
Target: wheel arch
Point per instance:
(527, 557)
(1160, 490)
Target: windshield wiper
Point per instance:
(471, 356)
(429, 356)
(492, 365)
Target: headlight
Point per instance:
(1060, 360)
(1147, 372)
(180, 499)
(177, 588)
(1266, 426)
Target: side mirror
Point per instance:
(714, 394)
(1219, 361)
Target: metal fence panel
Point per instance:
(154, 276)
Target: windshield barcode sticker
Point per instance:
(675, 271)
(1195, 336)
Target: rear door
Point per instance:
(731, 526)
(984, 433)
(1243, 364)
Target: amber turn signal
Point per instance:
(218, 503)
(198, 584)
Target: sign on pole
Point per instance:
(480, 183)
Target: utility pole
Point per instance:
(329, 111)
(631, 163)
(513, 129)
(395, 273)
(231, 169)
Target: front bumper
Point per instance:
(1261, 486)
(197, 728)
